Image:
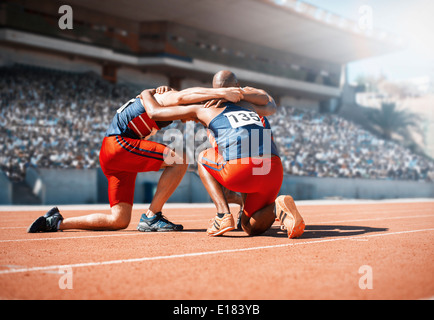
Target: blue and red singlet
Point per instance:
(125, 150)
(244, 158)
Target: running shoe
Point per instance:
(157, 223)
(47, 223)
(289, 217)
(218, 226)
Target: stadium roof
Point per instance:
(288, 25)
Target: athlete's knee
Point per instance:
(121, 216)
(259, 222)
(183, 166)
(254, 230)
(185, 161)
(120, 223)
(173, 159)
(201, 154)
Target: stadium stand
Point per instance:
(57, 119)
(53, 119)
(326, 145)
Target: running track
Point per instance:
(394, 239)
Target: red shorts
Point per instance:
(122, 158)
(260, 179)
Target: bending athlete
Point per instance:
(125, 152)
(256, 172)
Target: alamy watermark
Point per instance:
(366, 18)
(250, 147)
(66, 280)
(66, 20)
(366, 281)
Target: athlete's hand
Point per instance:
(214, 103)
(233, 94)
(163, 89)
(147, 91)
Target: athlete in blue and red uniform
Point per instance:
(243, 160)
(285, 209)
(125, 152)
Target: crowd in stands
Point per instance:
(326, 145)
(55, 119)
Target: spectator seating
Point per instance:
(56, 119)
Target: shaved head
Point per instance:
(224, 79)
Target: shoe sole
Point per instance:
(285, 206)
(220, 232)
(36, 225)
(297, 231)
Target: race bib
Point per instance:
(242, 118)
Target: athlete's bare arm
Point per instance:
(255, 96)
(262, 102)
(259, 101)
(157, 112)
(197, 95)
(254, 99)
(189, 112)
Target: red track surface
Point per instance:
(395, 240)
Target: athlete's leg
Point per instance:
(233, 197)
(223, 221)
(118, 219)
(133, 155)
(237, 198)
(121, 195)
(214, 189)
(153, 219)
(259, 222)
(259, 213)
(169, 181)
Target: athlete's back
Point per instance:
(241, 133)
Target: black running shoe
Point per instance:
(47, 222)
(157, 223)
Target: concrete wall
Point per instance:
(306, 188)
(190, 190)
(69, 186)
(5, 189)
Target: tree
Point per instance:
(388, 120)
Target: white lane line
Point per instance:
(359, 212)
(98, 236)
(197, 254)
(373, 219)
(6, 228)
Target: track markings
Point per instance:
(93, 236)
(375, 219)
(205, 253)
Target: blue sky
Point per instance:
(411, 19)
